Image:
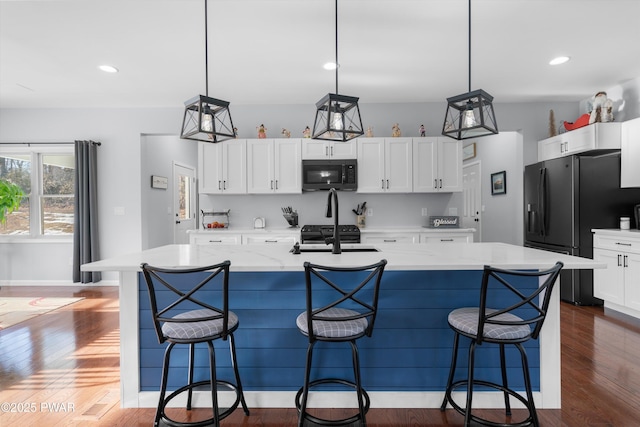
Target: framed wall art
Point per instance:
(469, 151)
(499, 183)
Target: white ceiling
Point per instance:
(272, 51)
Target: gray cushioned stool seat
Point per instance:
(334, 329)
(197, 330)
(466, 321)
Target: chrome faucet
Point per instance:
(336, 230)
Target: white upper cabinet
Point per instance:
(630, 154)
(437, 165)
(274, 166)
(315, 149)
(596, 136)
(222, 167)
(385, 165)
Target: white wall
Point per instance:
(158, 152)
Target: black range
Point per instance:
(317, 233)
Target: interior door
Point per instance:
(472, 195)
(184, 202)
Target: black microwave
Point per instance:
(327, 174)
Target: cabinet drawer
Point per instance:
(215, 239)
(445, 238)
(390, 238)
(253, 240)
(617, 243)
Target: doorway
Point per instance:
(184, 202)
(472, 199)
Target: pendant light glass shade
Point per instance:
(470, 115)
(337, 118)
(207, 119)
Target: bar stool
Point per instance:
(347, 311)
(184, 318)
(517, 320)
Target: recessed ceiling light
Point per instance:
(559, 60)
(108, 68)
(330, 66)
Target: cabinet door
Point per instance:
(260, 165)
(210, 167)
(371, 165)
(551, 148)
(608, 283)
(343, 150)
(287, 166)
(630, 154)
(314, 149)
(449, 164)
(425, 164)
(398, 165)
(234, 166)
(632, 281)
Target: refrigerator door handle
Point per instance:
(542, 200)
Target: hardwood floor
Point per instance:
(61, 369)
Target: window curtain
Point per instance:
(85, 235)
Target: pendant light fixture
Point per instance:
(471, 114)
(337, 116)
(207, 119)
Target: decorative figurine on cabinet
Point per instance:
(286, 133)
(369, 132)
(262, 131)
(396, 133)
(306, 133)
(423, 130)
(235, 132)
(602, 109)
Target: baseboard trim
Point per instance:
(56, 283)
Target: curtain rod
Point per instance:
(45, 143)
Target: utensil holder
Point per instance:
(361, 221)
(292, 219)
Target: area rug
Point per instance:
(18, 309)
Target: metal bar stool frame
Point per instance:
(220, 323)
(500, 326)
(313, 320)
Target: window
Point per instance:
(46, 176)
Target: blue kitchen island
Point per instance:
(405, 363)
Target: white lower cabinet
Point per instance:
(441, 237)
(619, 284)
(384, 237)
(258, 239)
(211, 238)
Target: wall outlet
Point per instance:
(453, 211)
(424, 212)
(118, 210)
(369, 212)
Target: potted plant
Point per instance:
(10, 197)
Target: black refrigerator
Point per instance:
(564, 199)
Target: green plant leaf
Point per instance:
(10, 198)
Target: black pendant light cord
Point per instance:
(206, 51)
(337, 65)
(469, 45)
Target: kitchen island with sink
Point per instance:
(404, 364)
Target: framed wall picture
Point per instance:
(469, 151)
(499, 183)
(159, 182)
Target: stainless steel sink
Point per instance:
(350, 247)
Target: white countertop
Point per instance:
(435, 256)
(290, 230)
(617, 232)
